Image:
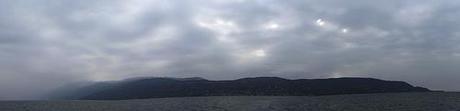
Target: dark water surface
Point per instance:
(433, 101)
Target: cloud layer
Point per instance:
(47, 43)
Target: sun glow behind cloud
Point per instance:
(320, 22)
(272, 26)
(344, 30)
(259, 53)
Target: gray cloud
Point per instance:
(48, 43)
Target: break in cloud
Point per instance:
(47, 43)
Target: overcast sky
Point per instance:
(48, 43)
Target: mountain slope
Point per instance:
(260, 86)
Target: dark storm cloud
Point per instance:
(48, 43)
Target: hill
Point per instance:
(141, 88)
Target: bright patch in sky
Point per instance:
(336, 75)
(260, 53)
(273, 26)
(320, 22)
(344, 30)
(220, 25)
